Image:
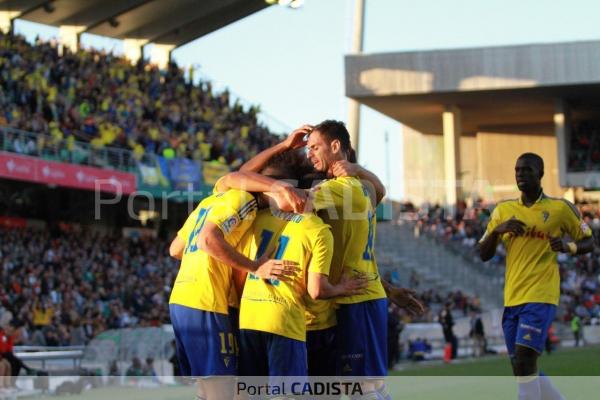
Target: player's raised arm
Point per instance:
(287, 197)
(370, 180)
(295, 140)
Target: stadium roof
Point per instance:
(169, 22)
(493, 86)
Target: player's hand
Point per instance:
(275, 269)
(296, 139)
(345, 168)
(289, 198)
(558, 244)
(406, 298)
(353, 285)
(513, 225)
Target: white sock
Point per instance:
(549, 391)
(529, 387)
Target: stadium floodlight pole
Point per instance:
(7, 19)
(387, 161)
(357, 48)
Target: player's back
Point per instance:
(202, 282)
(277, 306)
(345, 205)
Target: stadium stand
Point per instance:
(63, 289)
(105, 100)
(580, 276)
(584, 149)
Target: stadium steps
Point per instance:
(437, 266)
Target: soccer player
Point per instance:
(533, 229)
(205, 341)
(272, 316)
(346, 203)
(272, 320)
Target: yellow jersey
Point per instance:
(203, 282)
(278, 306)
(532, 274)
(345, 205)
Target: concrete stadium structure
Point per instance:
(468, 113)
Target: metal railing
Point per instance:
(62, 150)
(40, 355)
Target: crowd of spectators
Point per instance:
(65, 288)
(584, 147)
(580, 276)
(103, 99)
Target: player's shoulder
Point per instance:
(233, 194)
(565, 205)
(302, 220)
(236, 197)
(341, 181)
(312, 220)
(506, 203)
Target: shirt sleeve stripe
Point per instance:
(572, 207)
(248, 208)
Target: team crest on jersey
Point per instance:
(546, 215)
(230, 223)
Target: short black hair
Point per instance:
(352, 156)
(291, 164)
(308, 180)
(535, 158)
(333, 130)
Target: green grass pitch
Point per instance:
(576, 372)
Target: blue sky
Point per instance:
(291, 61)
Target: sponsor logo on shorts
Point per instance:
(527, 337)
(531, 328)
(356, 356)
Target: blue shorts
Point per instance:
(206, 345)
(268, 354)
(362, 339)
(320, 347)
(527, 325)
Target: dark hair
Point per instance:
(308, 180)
(352, 156)
(291, 164)
(535, 158)
(333, 130)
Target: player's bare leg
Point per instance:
(217, 388)
(5, 374)
(200, 395)
(524, 365)
(531, 383)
